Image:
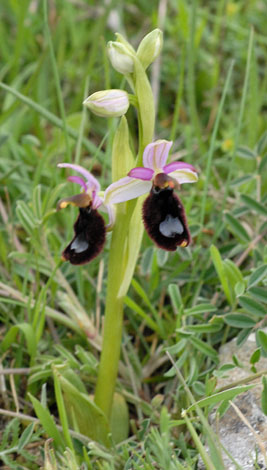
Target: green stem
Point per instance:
(108, 367)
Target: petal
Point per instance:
(96, 201)
(184, 176)
(178, 166)
(125, 189)
(78, 180)
(78, 200)
(91, 180)
(141, 173)
(156, 154)
(110, 209)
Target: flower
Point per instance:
(163, 213)
(150, 47)
(89, 228)
(108, 103)
(120, 57)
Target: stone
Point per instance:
(234, 434)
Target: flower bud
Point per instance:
(150, 47)
(108, 103)
(120, 57)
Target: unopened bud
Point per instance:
(120, 57)
(150, 47)
(108, 103)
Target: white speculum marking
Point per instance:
(79, 244)
(171, 226)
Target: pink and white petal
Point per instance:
(178, 166)
(156, 154)
(92, 182)
(111, 210)
(184, 176)
(141, 173)
(78, 180)
(125, 189)
(96, 201)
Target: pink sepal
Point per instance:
(141, 173)
(155, 154)
(92, 182)
(78, 180)
(178, 166)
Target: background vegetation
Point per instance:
(210, 89)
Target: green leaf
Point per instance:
(136, 308)
(264, 395)
(262, 339)
(205, 327)
(119, 420)
(122, 156)
(47, 422)
(252, 306)
(162, 257)
(37, 202)
(219, 266)
(254, 205)
(255, 357)
(83, 413)
(220, 396)
(237, 228)
(239, 321)
(262, 164)
(258, 293)
(233, 272)
(25, 436)
(257, 275)
(240, 288)
(61, 407)
(241, 180)
(262, 144)
(29, 335)
(176, 348)
(140, 291)
(203, 347)
(145, 103)
(146, 261)
(223, 408)
(134, 239)
(201, 308)
(175, 295)
(26, 217)
(245, 152)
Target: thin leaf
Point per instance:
(264, 395)
(245, 152)
(204, 347)
(262, 339)
(252, 306)
(25, 436)
(48, 423)
(239, 321)
(254, 205)
(257, 275)
(220, 396)
(237, 228)
(217, 261)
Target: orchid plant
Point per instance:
(161, 213)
